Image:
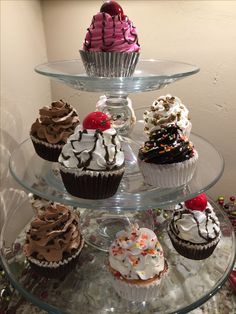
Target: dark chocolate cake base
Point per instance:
(46, 152)
(91, 187)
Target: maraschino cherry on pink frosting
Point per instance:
(197, 203)
(97, 121)
(113, 8)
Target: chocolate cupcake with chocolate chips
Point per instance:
(54, 241)
(51, 130)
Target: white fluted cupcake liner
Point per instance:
(169, 175)
(134, 292)
(109, 64)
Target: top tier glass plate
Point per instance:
(149, 75)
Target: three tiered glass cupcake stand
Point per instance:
(87, 289)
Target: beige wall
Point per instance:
(198, 32)
(22, 91)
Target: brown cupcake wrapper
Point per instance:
(91, 187)
(195, 253)
(109, 64)
(46, 151)
(57, 272)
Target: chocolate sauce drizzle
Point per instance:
(175, 228)
(88, 41)
(166, 146)
(85, 164)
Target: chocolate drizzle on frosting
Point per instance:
(93, 150)
(195, 226)
(107, 32)
(166, 146)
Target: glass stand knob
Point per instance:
(119, 109)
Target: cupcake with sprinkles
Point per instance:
(136, 264)
(167, 110)
(111, 47)
(54, 241)
(194, 229)
(167, 159)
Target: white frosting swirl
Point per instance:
(136, 254)
(94, 150)
(164, 111)
(195, 226)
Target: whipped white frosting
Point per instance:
(195, 226)
(92, 150)
(164, 111)
(136, 254)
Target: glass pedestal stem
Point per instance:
(119, 109)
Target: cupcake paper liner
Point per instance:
(168, 175)
(138, 292)
(109, 64)
(191, 250)
(56, 269)
(91, 184)
(133, 292)
(47, 151)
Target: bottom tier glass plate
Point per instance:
(87, 288)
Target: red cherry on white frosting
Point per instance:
(197, 203)
(97, 121)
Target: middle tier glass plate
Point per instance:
(43, 179)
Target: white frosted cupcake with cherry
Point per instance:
(92, 161)
(136, 264)
(194, 229)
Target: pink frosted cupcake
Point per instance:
(136, 264)
(111, 47)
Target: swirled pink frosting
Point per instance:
(111, 34)
(53, 233)
(56, 123)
